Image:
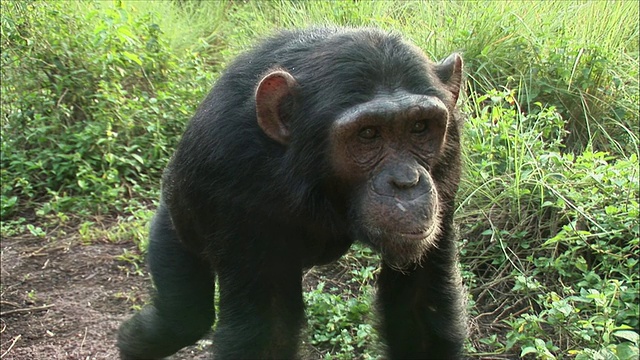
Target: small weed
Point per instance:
(135, 260)
(32, 297)
(131, 297)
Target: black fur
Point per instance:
(242, 207)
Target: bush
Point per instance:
(91, 113)
(551, 239)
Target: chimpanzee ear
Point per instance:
(449, 71)
(271, 92)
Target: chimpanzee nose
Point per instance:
(405, 178)
(405, 182)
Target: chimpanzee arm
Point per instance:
(182, 308)
(423, 310)
(261, 306)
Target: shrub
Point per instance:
(94, 106)
(551, 239)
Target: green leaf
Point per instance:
(626, 351)
(629, 335)
(138, 157)
(133, 57)
(528, 350)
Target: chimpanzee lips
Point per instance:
(417, 234)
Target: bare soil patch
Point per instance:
(65, 300)
(61, 299)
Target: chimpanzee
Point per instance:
(314, 139)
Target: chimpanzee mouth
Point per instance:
(418, 234)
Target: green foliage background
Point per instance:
(96, 94)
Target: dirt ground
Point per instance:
(61, 299)
(65, 300)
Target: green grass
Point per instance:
(96, 94)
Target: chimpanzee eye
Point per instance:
(419, 127)
(368, 133)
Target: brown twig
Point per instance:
(4, 302)
(47, 247)
(498, 308)
(83, 338)
(35, 308)
(15, 340)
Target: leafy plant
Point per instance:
(337, 321)
(566, 229)
(92, 115)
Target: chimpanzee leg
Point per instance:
(261, 308)
(424, 309)
(182, 308)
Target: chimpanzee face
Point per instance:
(385, 149)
